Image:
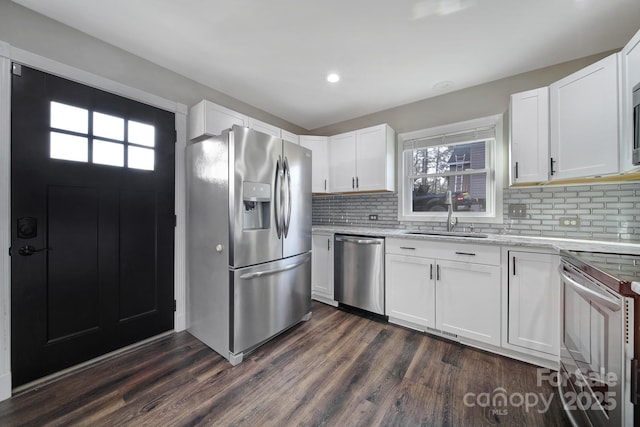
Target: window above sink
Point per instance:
(466, 158)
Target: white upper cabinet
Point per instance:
(529, 136)
(319, 146)
(289, 136)
(209, 119)
(363, 160)
(342, 162)
(375, 158)
(630, 65)
(264, 127)
(584, 122)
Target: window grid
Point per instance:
(144, 145)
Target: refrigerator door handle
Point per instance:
(275, 270)
(277, 195)
(287, 217)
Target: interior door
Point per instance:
(92, 206)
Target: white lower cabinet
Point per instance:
(468, 300)
(410, 291)
(533, 320)
(451, 287)
(322, 267)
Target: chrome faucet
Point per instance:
(451, 220)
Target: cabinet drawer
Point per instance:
(453, 251)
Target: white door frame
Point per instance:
(9, 54)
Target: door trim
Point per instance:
(8, 54)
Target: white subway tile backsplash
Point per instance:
(609, 211)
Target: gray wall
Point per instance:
(30, 31)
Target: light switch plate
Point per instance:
(517, 210)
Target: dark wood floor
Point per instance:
(338, 369)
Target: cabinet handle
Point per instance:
(357, 182)
(328, 244)
(325, 185)
(465, 253)
(438, 272)
(407, 248)
(552, 162)
(513, 268)
(516, 170)
(353, 182)
(430, 271)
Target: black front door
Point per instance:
(92, 213)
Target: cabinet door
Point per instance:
(534, 307)
(530, 136)
(410, 290)
(373, 171)
(342, 162)
(468, 300)
(584, 122)
(322, 265)
(264, 127)
(319, 146)
(630, 64)
(209, 119)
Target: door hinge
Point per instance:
(16, 69)
(9, 250)
(175, 305)
(175, 221)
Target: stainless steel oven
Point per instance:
(598, 354)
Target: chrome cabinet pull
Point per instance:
(407, 248)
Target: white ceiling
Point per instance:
(275, 54)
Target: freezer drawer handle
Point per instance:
(592, 295)
(359, 241)
(275, 270)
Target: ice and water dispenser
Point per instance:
(257, 204)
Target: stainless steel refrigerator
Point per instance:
(249, 239)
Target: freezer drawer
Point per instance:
(267, 299)
(359, 272)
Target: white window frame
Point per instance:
(496, 162)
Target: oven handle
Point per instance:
(610, 303)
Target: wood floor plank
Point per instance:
(336, 369)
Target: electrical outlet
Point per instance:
(568, 221)
(373, 217)
(517, 210)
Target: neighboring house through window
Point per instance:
(466, 158)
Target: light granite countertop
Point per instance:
(557, 243)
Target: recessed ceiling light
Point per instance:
(333, 78)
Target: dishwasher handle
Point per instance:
(358, 240)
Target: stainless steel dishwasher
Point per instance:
(359, 272)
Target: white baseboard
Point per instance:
(324, 299)
(5, 386)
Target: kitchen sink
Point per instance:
(449, 234)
